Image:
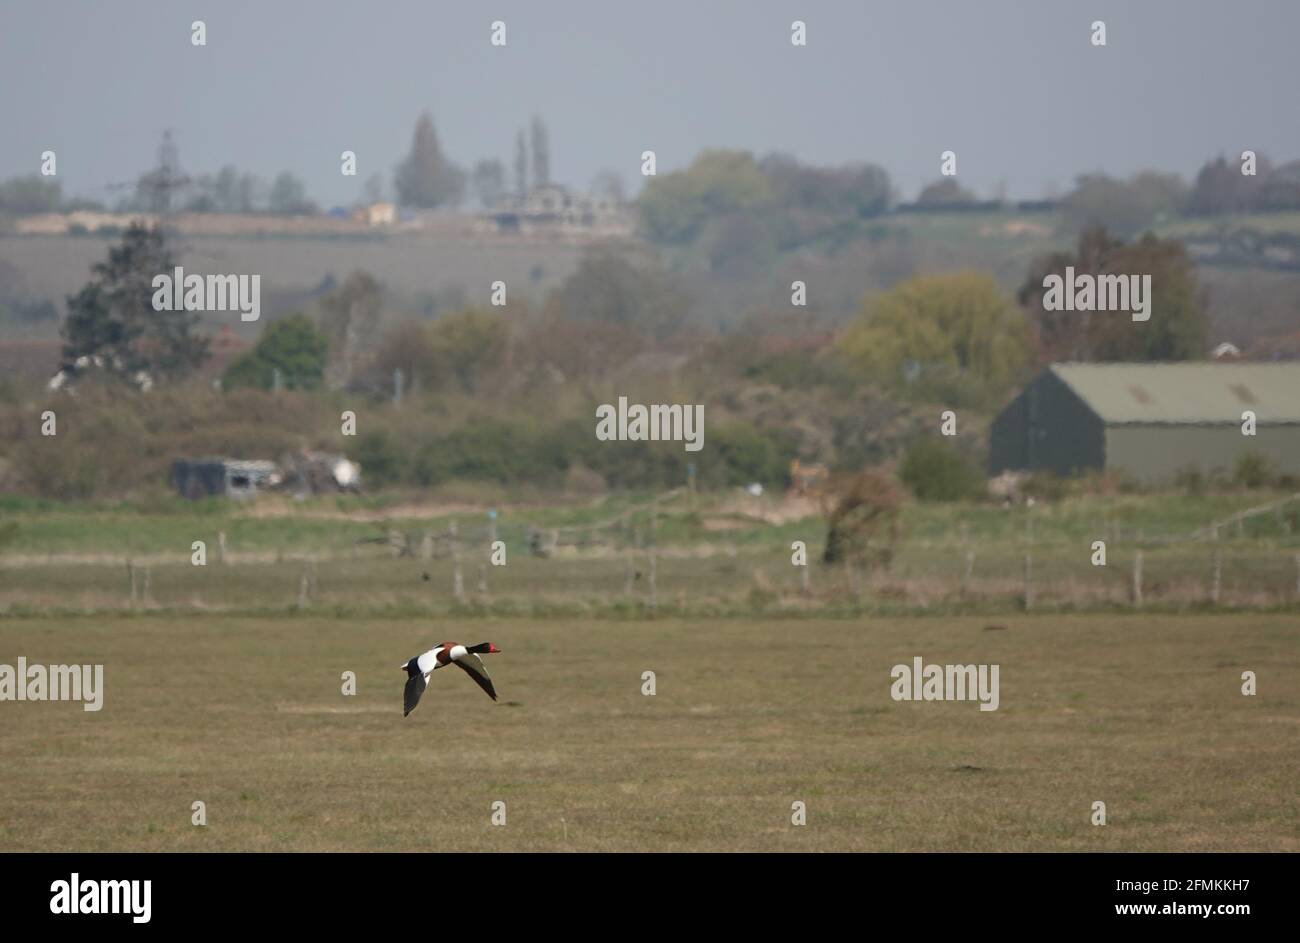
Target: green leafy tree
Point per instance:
(426, 178)
(675, 207)
(954, 323)
(292, 345)
(1179, 325)
(112, 319)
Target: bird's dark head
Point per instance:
(483, 648)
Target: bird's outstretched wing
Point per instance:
(473, 666)
(414, 688)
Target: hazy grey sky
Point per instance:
(1013, 86)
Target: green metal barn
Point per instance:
(1149, 420)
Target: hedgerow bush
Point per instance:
(935, 471)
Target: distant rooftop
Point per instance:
(1186, 392)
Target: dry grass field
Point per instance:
(56, 266)
(246, 714)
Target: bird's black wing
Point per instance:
(414, 688)
(473, 666)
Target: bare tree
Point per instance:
(351, 316)
(521, 164)
(541, 154)
(863, 524)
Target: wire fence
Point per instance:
(1250, 559)
(589, 568)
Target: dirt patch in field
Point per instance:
(746, 509)
(266, 508)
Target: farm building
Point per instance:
(235, 478)
(1149, 420)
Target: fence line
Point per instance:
(1211, 530)
(641, 574)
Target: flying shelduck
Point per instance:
(419, 668)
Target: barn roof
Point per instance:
(1185, 392)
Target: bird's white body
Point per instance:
(429, 663)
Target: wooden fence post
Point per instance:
(653, 574)
(1216, 576)
(966, 574)
(457, 578)
(1137, 579)
(1029, 580)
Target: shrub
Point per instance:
(935, 471)
(382, 460)
(1191, 480)
(638, 464)
(864, 523)
(1045, 486)
(1253, 470)
(491, 450)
